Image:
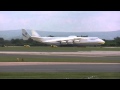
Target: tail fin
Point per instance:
(34, 33)
(35, 36)
(25, 35)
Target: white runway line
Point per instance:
(80, 53)
(45, 63)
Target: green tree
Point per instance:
(1, 42)
(117, 40)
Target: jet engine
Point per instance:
(76, 41)
(63, 42)
(70, 42)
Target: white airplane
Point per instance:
(74, 40)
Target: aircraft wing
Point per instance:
(63, 39)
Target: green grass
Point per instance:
(60, 59)
(58, 49)
(33, 58)
(59, 75)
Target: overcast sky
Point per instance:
(68, 21)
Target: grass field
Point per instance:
(60, 75)
(33, 58)
(59, 59)
(57, 49)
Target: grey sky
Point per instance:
(73, 21)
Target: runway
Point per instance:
(79, 53)
(58, 67)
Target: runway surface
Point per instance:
(58, 67)
(79, 53)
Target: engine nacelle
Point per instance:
(70, 42)
(76, 41)
(63, 42)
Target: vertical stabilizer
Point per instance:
(25, 35)
(34, 33)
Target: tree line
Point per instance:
(21, 42)
(115, 42)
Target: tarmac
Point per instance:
(60, 66)
(79, 53)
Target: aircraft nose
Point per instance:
(102, 42)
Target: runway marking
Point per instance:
(80, 53)
(45, 63)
